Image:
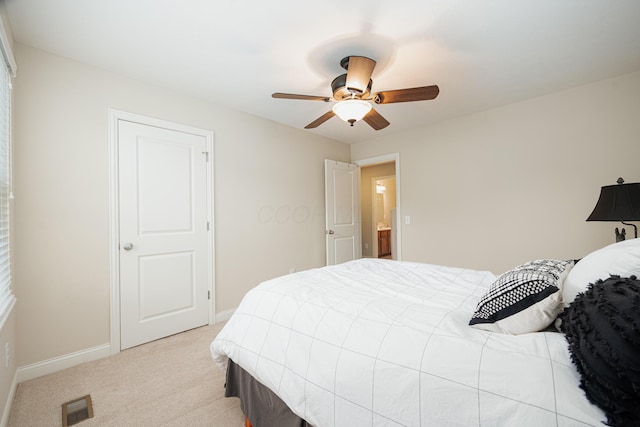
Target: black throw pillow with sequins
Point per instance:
(602, 326)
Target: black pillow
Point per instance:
(602, 326)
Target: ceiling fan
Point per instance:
(352, 94)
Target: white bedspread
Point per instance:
(387, 343)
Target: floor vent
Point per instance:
(76, 411)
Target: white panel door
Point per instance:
(342, 204)
(164, 247)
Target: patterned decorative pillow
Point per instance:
(525, 299)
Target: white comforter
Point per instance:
(387, 343)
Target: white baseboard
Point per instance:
(7, 406)
(35, 370)
(223, 316)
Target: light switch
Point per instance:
(407, 220)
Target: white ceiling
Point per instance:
(235, 53)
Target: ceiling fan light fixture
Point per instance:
(352, 110)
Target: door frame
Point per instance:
(387, 158)
(114, 213)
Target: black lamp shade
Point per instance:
(620, 202)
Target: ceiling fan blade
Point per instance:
(279, 95)
(320, 120)
(359, 73)
(375, 120)
(422, 93)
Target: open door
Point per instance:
(342, 206)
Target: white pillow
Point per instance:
(622, 259)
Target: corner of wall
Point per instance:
(8, 379)
(7, 406)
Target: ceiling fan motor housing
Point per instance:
(340, 90)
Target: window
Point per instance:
(6, 295)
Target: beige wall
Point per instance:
(504, 186)
(269, 197)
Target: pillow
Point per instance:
(525, 299)
(622, 259)
(602, 327)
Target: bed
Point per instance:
(376, 342)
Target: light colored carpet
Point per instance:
(169, 382)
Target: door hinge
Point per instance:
(206, 156)
(208, 294)
(208, 226)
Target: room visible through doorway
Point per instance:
(378, 211)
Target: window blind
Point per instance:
(6, 296)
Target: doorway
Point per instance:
(384, 224)
(383, 195)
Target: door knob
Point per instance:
(330, 232)
(127, 246)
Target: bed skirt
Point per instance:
(260, 405)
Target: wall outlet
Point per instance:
(292, 270)
(7, 354)
(366, 246)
